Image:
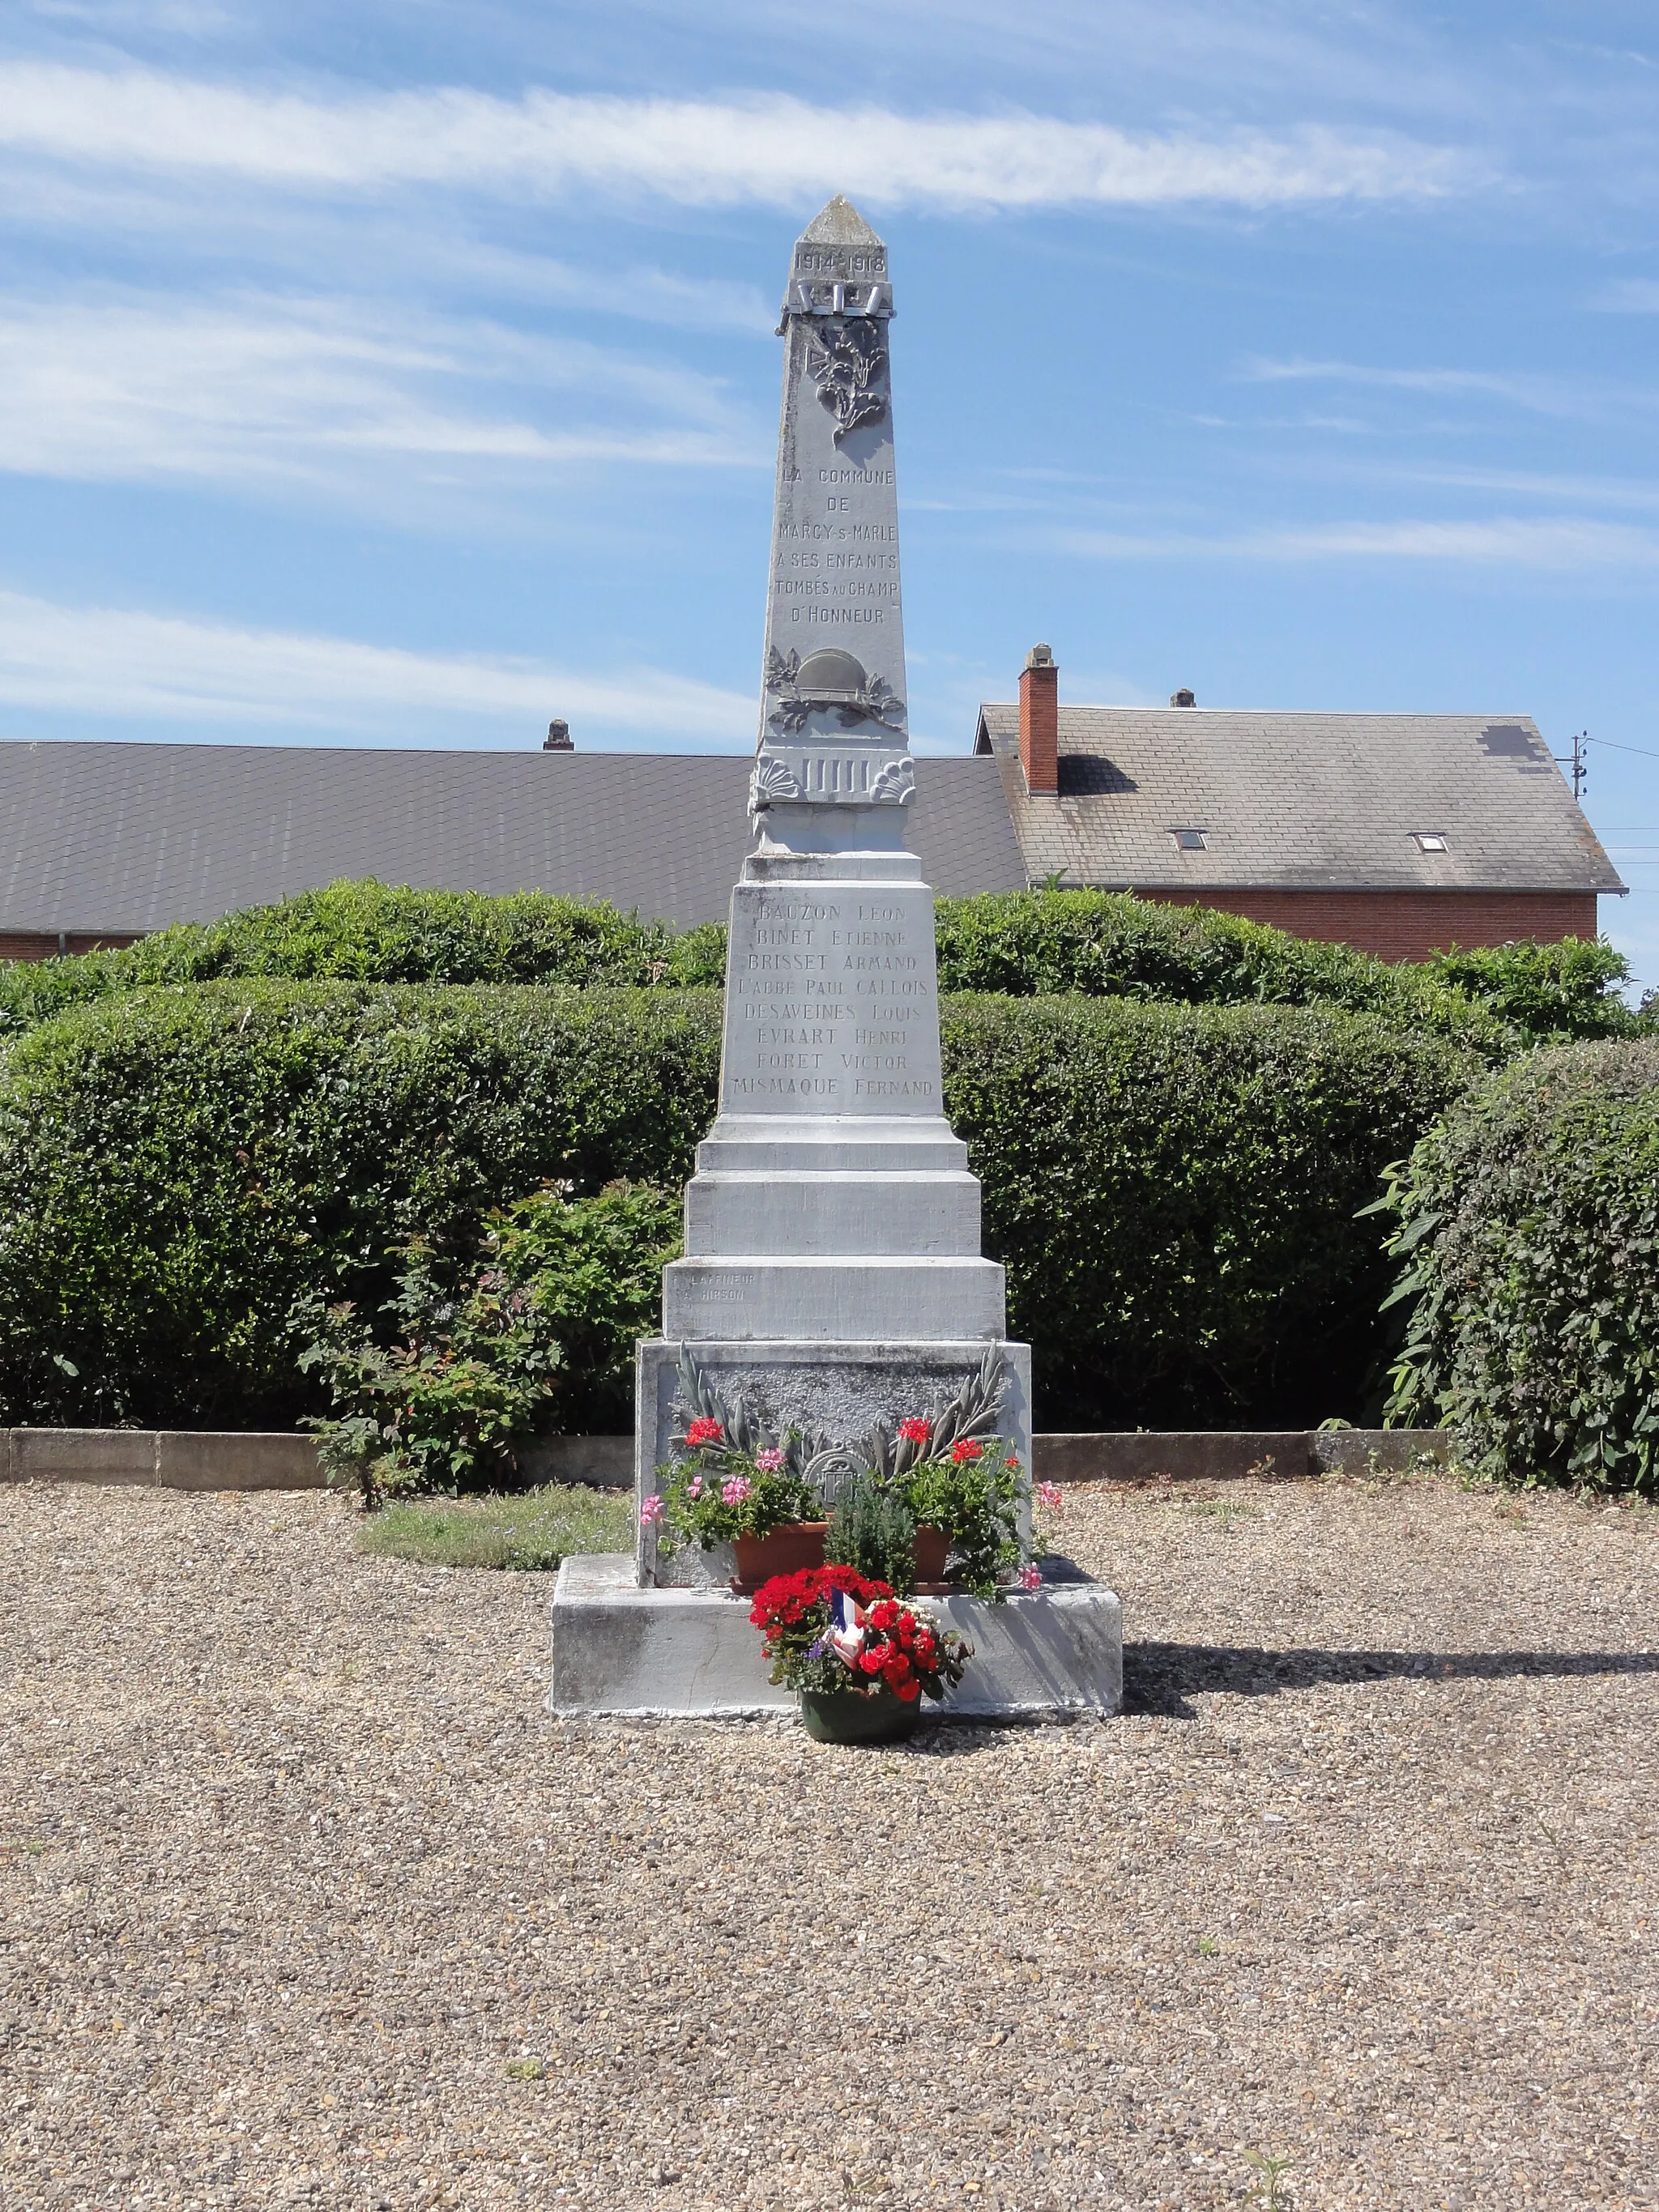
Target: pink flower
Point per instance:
(734, 1491)
(650, 1511)
(769, 1461)
(695, 1488)
(1030, 1578)
(1047, 1493)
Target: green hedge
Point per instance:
(1529, 1226)
(370, 932)
(1026, 944)
(1108, 944)
(1172, 1189)
(176, 1166)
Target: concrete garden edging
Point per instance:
(231, 1459)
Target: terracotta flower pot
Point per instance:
(850, 1718)
(932, 1546)
(790, 1546)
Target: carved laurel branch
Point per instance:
(827, 1464)
(845, 359)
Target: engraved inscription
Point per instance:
(823, 1001)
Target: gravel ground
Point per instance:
(303, 1900)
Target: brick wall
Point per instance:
(37, 944)
(1407, 925)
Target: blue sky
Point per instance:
(406, 373)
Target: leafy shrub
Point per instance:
(1111, 945)
(535, 1331)
(179, 1166)
(373, 934)
(1529, 1222)
(1172, 1189)
(1548, 994)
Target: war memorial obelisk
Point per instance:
(833, 1275)
(832, 1252)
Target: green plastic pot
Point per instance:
(849, 1718)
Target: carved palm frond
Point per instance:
(829, 1465)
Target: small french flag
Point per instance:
(848, 1622)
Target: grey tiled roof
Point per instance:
(1299, 802)
(113, 838)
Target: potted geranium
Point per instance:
(860, 1660)
(716, 1493)
(968, 1500)
(953, 1511)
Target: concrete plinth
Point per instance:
(692, 1654)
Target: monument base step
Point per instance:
(690, 1653)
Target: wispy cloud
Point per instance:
(1586, 490)
(339, 396)
(1499, 542)
(771, 149)
(1630, 296)
(1539, 394)
(107, 661)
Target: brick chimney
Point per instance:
(1039, 722)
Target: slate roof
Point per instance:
(1299, 802)
(111, 838)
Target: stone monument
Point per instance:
(833, 1278)
(832, 1265)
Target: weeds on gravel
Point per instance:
(1224, 1511)
(532, 1531)
(1266, 2191)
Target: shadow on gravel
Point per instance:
(1159, 1678)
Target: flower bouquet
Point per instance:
(752, 1500)
(861, 1661)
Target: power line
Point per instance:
(1640, 750)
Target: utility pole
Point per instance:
(1578, 760)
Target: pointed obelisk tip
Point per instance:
(840, 223)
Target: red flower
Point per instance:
(872, 1662)
(966, 1448)
(908, 1691)
(704, 1430)
(916, 1431)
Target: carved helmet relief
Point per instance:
(828, 680)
